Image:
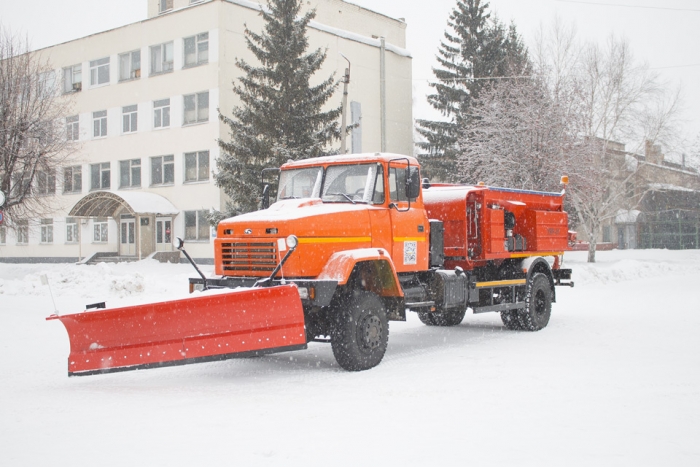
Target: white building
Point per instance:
(146, 118)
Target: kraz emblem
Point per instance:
(248, 231)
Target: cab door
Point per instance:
(409, 222)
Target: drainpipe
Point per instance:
(382, 91)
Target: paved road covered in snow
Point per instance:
(613, 380)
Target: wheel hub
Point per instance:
(370, 332)
(540, 302)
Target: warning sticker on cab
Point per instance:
(410, 254)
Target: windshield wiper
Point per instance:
(343, 194)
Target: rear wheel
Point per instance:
(360, 332)
(426, 318)
(510, 319)
(535, 315)
(442, 318)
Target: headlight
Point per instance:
(292, 241)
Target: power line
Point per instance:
(489, 78)
(483, 78)
(673, 66)
(628, 6)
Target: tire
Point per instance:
(426, 318)
(444, 318)
(536, 314)
(360, 332)
(511, 320)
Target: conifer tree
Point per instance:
(280, 116)
(475, 47)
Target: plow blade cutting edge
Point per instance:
(206, 328)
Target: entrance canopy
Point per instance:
(107, 204)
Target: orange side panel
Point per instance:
(494, 231)
(205, 328)
(546, 230)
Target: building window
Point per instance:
(71, 230)
(130, 173)
(46, 182)
(161, 58)
(99, 71)
(607, 234)
(100, 230)
(196, 108)
(130, 65)
(3, 235)
(73, 78)
(162, 170)
(23, 232)
(196, 225)
(100, 176)
(165, 5)
(129, 118)
(197, 166)
(20, 186)
(72, 128)
(47, 231)
(72, 179)
(161, 113)
(99, 124)
(47, 83)
(196, 49)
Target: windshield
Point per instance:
(362, 183)
(300, 183)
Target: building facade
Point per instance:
(147, 97)
(661, 208)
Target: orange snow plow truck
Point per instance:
(350, 243)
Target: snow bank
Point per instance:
(629, 265)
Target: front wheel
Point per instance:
(360, 332)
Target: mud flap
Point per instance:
(211, 327)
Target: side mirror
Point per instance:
(266, 196)
(413, 183)
(180, 243)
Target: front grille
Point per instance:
(249, 256)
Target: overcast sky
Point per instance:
(664, 33)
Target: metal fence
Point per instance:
(674, 230)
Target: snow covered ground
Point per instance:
(613, 380)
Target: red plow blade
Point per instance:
(198, 329)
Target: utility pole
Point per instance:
(343, 126)
(382, 91)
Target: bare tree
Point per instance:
(570, 118)
(623, 101)
(33, 142)
(520, 136)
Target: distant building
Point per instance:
(663, 204)
(146, 116)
